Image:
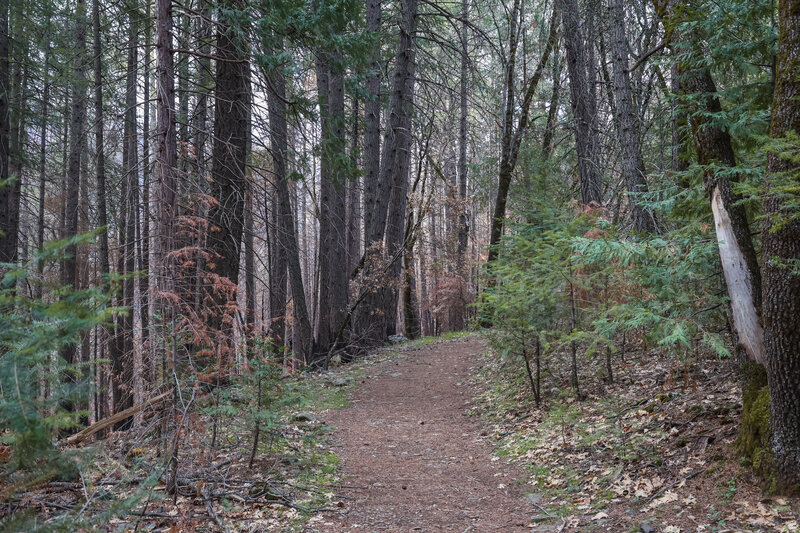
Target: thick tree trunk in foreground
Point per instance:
(333, 272)
(736, 251)
(228, 184)
(629, 135)
(781, 254)
(583, 105)
(395, 157)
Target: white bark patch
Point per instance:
(739, 282)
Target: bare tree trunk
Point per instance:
(78, 121)
(287, 234)
(228, 185)
(333, 273)
(144, 218)
(354, 232)
(104, 334)
(583, 105)
(781, 255)
(122, 365)
(736, 250)
(633, 169)
(166, 160)
(395, 157)
(552, 113)
(463, 226)
(512, 135)
(43, 166)
(372, 123)
(8, 227)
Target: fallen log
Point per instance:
(85, 433)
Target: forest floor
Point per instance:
(438, 437)
(414, 458)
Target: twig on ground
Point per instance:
(675, 483)
(212, 513)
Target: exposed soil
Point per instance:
(414, 459)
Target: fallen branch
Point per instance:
(113, 419)
(212, 513)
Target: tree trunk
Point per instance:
(737, 254)
(166, 161)
(228, 184)
(144, 250)
(43, 166)
(102, 214)
(395, 157)
(583, 105)
(78, 121)
(286, 226)
(354, 232)
(552, 112)
(8, 229)
(463, 226)
(332, 252)
(512, 136)
(633, 169)
(781, 254)
(372, 123)
(122, 365)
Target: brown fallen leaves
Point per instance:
(657, 447)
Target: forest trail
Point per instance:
(414, 459)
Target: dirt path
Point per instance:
(413, 459)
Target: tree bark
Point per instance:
(713, 146)
(122, 365)
(332, 252)
(633, 169)
(228, 184)
(552, 112)
(463, 226)
(8, 229)
(78, 121)
(43, 164)
(372, 122)
(583, 105)
(102, 213)
(512, 136)
(166, 160)
(781, 250)
(395, 158)
(287, 234)
(354, 232)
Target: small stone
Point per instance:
(340, 382)
(305, 417)
(647, 528)
(533, 498)
(397, 339)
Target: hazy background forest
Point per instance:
(208, 205)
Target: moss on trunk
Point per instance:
(754, 436)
